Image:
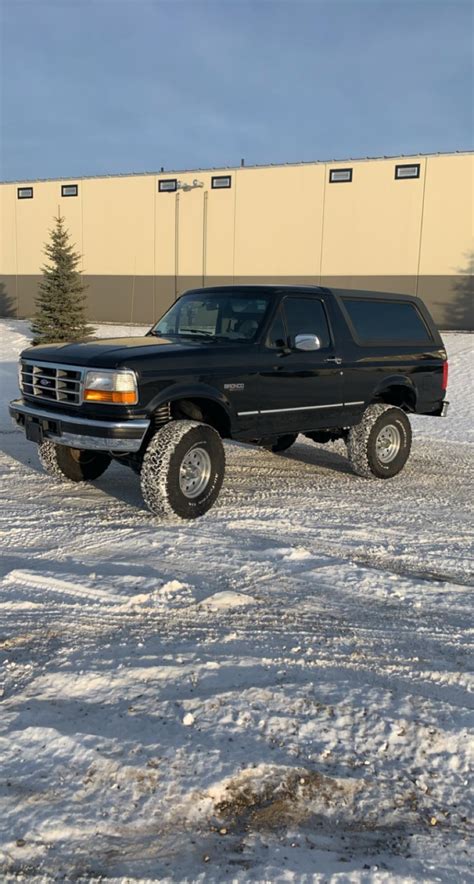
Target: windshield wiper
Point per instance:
(196, 331)
(192, 332)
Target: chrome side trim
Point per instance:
(301, 408)
(134, 423)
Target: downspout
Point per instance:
(176, 246)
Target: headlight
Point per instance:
(117, 387)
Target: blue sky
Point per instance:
(106, 86)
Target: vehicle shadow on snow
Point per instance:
(245, 463)
(312, 455)
(316, 455)
(15, 446)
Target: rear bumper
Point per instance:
(78, 432)
(441, 410)
(433, 409)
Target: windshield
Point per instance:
(225, 316)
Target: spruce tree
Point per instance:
(60, 304)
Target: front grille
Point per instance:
(52, 383)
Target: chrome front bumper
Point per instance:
(78, 432)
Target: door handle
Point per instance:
(336, 359)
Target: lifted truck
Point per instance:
(258, 364)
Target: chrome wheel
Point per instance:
(387, 443)
(194, 472)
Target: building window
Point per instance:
(167, 185)
(219, 182)
(69, 190)
(336, 175)
(407, 171)
(25, 193)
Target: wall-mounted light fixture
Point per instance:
(25, 193)
(184, 185)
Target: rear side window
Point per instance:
(387, 322)
(306, 316)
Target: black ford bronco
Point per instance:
(258, 364)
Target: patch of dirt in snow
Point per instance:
(266, 797)
(361, 810)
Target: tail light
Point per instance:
(444, 382)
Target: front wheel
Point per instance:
(72, 464)
(379, 446)
(182, 470)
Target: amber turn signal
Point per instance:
(126, 397)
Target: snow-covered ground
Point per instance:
(279, 691)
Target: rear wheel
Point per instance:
(379, 446)
(72, 464)
(183, 470)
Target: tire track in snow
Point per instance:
(46, 583)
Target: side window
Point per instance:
(276, 338)
(307, 316)
(387, 321)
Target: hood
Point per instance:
(113, 352)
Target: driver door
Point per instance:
(301, 390)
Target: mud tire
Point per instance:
(362, 447)
(67, 464)
(160, 472)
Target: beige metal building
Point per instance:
(401, 224)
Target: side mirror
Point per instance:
(307, 342)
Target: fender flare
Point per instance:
(396, 380)
(192, 391)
